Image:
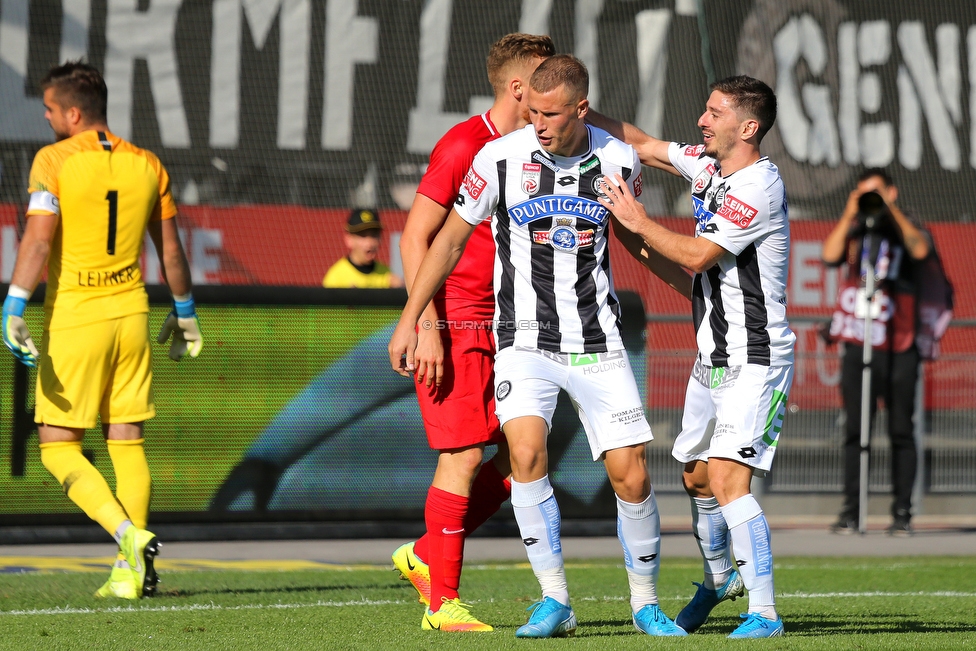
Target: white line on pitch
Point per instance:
(388, 602)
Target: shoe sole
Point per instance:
(149, 553)
(567, 633)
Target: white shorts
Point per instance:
(747, 404)
(601, 385)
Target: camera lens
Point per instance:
(871, 204)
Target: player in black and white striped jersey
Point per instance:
(744, 369)
(557, 327)
(564, 285)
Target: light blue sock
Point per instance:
(712, 535)
(753, 551)
(537, 515)
(639, 531)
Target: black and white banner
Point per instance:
(330, 102)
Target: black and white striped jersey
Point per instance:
(552, 279)
(739, 304)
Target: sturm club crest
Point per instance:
(531, 175)
(720, 195)
(563, 236)
(598, 187)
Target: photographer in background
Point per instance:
(895, 247)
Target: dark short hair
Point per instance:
(879, 172)
(515, 49)
(751, 96)
(80, 85)
(559, 70)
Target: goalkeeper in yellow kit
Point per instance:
(92, 198)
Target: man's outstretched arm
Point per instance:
(698, 254)
(437, 265)
(651, 151)
(670, 272)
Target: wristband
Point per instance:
(16, 301)
(184, 306)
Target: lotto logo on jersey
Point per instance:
(531, 175)
(738, 212)
(694, 150)
(638, 185)
(474, 184)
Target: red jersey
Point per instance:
(467, 292)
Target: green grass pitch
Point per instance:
(859, 603)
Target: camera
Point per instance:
(872, 212)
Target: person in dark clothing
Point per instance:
(894, 247)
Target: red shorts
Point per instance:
(461, 411)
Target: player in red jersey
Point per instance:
(456, 350)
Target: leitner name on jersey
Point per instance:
(552, 262)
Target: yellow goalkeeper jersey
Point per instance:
(106, 191)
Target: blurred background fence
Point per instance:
(275, 117)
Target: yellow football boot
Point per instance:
(453, 617)
(414, 570)
(140, 548)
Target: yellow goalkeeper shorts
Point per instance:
(100, 368)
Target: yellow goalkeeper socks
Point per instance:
(83, 484)
(132, 481)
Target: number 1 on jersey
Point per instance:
(113, 217)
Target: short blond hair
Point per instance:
(562, 69)
(515, 49)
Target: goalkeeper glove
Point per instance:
(15, 333)
(184, 325)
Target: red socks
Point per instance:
(488, 493)
(450, 519)
(444, 514)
